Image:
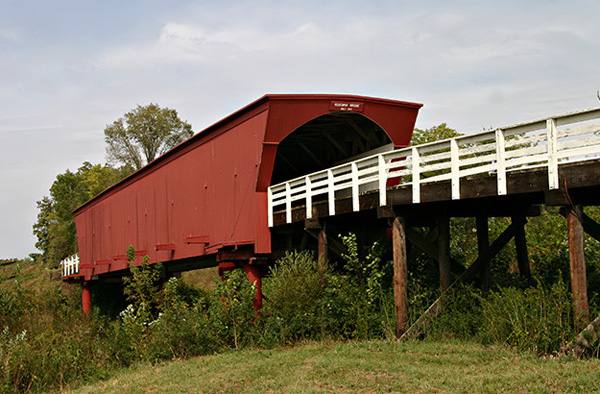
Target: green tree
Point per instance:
(54, 228)
(143, 134)
(435, 133)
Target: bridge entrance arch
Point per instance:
(328, 140)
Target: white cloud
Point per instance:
(10, 35)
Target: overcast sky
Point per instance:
(67, 68)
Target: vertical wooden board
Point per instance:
(400, 280)
(483, 248)
(444, 252)
(108, 240)
(149, 220)
(130, 235)
(521, 247)
(322, 247)
(577, 268)
(263, 234)
(161, 208)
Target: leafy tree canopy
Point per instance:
(143, 134)
(54, 228)
(435, 133)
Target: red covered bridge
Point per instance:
(205, 202)
(266, 177)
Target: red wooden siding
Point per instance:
(212, 187)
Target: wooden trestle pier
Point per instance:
(509, 172)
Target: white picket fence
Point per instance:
(70, 265)
(544, 143)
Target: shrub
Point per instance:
(461, 316)
(295, 299)
(308, 301)
(182, 328)
(536, 319)
(231, 311)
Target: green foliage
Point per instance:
(231, 310)
(295, 292)
(194, 333)
(461, 317)
(537, 318)
(45, 342)
(434, 133)
(142, 287)
(369, 270)
(143, 134)
(54, 228)
(308, 301)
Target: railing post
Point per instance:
(270, 206)
(308, 185)
(455, 169)
(331, 192)
(552, 140)
(500, 162)
(288, 203)
(416, 176)
(382, 174)
(355, 198)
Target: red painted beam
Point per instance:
(197, 239)
(164, 247)
(226, 266)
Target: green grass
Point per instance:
(375, 366)
(30, 275)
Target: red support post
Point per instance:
(254, 276)
(86, 298)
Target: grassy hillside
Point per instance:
(375, 366)
(32, 276)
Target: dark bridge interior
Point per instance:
(326, 141)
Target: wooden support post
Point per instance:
(577, 268)
(483, 247)
(400, 276)
(521, 246)
(86, 298)
(444, 251)
(322, 249)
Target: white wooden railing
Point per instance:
(70, 265)
(544, 143)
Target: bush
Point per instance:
(461, 316)
(193, 335)
(537, 319)
(306, 300)
(295, 293)
(50, 344)
(230, 311)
